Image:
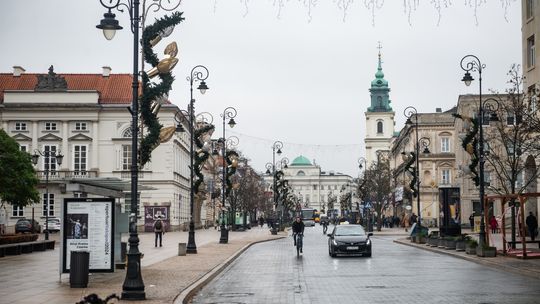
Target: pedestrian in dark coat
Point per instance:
(532, 225)
(159, 229)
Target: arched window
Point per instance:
(379, 127)
(300, 173)
(127, 133)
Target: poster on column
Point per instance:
(89, 226)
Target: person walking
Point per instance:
(471, 221)
(159, 229)
(532, 225)
(493, 224)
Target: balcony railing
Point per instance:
(67, 174)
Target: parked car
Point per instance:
(25, 225)
(349, 239)
(53, 225)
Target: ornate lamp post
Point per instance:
(471, 63)
(425, 142)
(50, 156)
(276, 148)
(198, 73)
(133, 287)
(229, 113)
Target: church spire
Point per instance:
(379, 90)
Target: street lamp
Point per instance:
(472, 63)
(229, 113)
(133, 286)
(409, 112)
(49, 155)
(198, 73)
(276, 148)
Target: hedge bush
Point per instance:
(18, 238)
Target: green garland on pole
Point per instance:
(152, 91)
(231, 170)
(470, 145)
(201, 156)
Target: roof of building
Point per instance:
(113, 89)
(301, 161)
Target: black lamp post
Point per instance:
(229, 113)
(424, 142)
(276, 148)
(472, 63)
(133, 287)
(198, 73)
(49, 155)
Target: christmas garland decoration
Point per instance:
(470, 144)
(412, 170)
(201, 156)
(231, 170)
(152, 91)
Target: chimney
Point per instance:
(106, 71)
(438, 110)
(18, 70)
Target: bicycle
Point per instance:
(299, 243)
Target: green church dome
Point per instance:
(301, 161)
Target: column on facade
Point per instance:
(65, 146)
(94, 157)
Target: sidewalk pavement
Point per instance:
(527, 267)
(34, 278)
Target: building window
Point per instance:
(51, 204)
(487, 178)
(20, 126)
(322, 187)
(126, 157)
(50, 126)
(379, 127)
(49, 160)
(80, 126)
(529, 8)
(17, 211)
(445, 145)
(445, 176)
(335, 187)
(314, 187)
(301, 173)
(23, 148)
(80, 158)
(531, 52)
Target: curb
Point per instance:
(189, 292)
(482, 261)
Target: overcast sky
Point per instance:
(294, 76)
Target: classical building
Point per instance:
(379, 117)
(436, 168)
(530, 32)
(313, 186)
(84, 117)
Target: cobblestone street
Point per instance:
(271, 273)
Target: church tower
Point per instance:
(379, 117)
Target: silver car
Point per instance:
(53, 225)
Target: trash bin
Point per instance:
(181, 249)
(78, 269)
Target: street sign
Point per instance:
(367, 205)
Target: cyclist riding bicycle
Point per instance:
(297, 228)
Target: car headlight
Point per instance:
(368, 242)
(334, 242)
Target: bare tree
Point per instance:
(376, 187)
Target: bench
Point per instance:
(26, 247)
(510, 243)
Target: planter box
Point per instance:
(460, 245)
(441, 243)
(420, 240)
(470, 250)
(432, 242)
(489, 252)
(450, 244)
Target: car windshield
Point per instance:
(349, 230)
